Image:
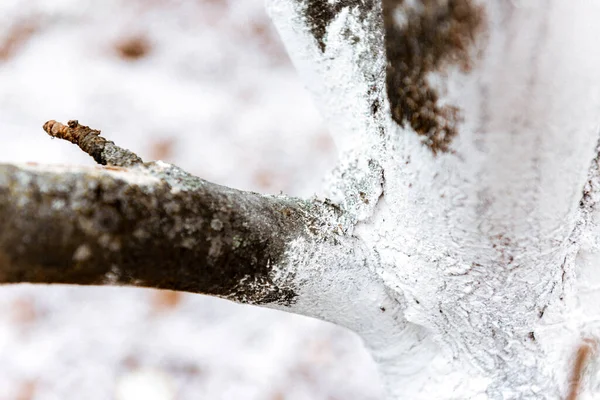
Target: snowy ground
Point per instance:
(204, 84)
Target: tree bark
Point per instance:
(155, 227)
(462, 240)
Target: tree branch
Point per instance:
(98, 226)
(154, 225)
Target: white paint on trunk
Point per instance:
(485, 248)
(345, 80)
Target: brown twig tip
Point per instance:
(73, 131)
(54, 129)
(89, 140)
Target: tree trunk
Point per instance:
(482, 134)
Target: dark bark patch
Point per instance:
(211, 240)
(320, 13)
(424, 36)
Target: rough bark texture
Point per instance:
(169, 231)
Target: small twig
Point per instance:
(584, 353)
(89, 140)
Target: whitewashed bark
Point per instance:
(487, 245)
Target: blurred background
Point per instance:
(204, 84)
